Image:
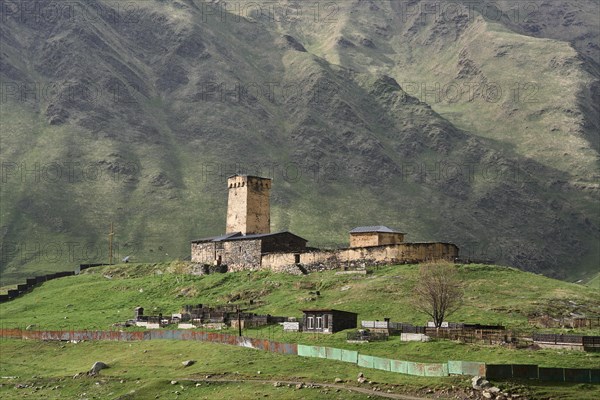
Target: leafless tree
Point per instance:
(438, 292)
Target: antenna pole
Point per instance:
(110, 244)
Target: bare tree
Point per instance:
(439, 291)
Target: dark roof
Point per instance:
(378, 228)
(431, 242)
(217, 238)
(249, 176)
(326, 310)
(238, 236)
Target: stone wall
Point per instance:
(203, 253)
(390, 238)
(242, 255)
(237, 254)
(249, 255)
(366, 239)
(350, 257)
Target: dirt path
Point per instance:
(370, 392)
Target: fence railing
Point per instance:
(367, 336)
(497, 372)
(30, 283)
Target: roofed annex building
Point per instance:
(248, 243)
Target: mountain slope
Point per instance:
(138, 116)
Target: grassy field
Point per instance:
(145, 370)
(102, 296)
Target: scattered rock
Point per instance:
(97, 367)
(277, 384)
(174, 382)
(188, 363)
(300, 386)
(479, 383)
(487, 395)
(338, 380)
(494, 390)
(344, 288)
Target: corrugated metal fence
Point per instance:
(492, 371)
(259, 344)
(527, 371)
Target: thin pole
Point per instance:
(110, 244)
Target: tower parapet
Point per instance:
(248, 204)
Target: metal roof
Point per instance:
(248, 176)
(378, 228)
(217, 238)
(238, 236)
(263, 235)
(327, 310)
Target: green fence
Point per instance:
(385, 364)
(466, 368)
(329, 353)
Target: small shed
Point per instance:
(328, 320)
(365, 236)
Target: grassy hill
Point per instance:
(139, 120)
(102, 296)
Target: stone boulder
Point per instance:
(188, 363)
(479, 383)
(97, 367)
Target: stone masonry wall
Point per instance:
(242, 255)
(337, 259)
(375, 239)
(203, 253)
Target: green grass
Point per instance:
(143, 369)
(594, 282)
(148, 367)
(102, 296)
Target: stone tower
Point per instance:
(248, 208)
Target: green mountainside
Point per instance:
(136, 114)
